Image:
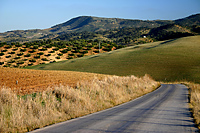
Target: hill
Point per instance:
(96, 24)
(93, 24)
(170, 60)
(48, 51)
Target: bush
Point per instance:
(56, 49)
(52, 51)
(37, 56)
(22, 50)
(20, 54)
(43, 49)
(32, 51)
(32, 60)
(8, 47)
(15, 49)
(58, 57)
(20, 63)
(35, 47)
(60, 54)
(17, 58)
(40, 53)
(72, 54)
(30, 64)
(45, 59)
(1, 54)
(5, 50)
(64, 51)
(70, 57)
(12, 53)
(27, 55)
(18, 45)
(48, 55)
(1, 63)
(8, 56)
(80, 55)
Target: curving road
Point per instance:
(164, 110)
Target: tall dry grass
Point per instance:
(60, 103)
(194, 90)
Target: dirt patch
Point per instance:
(24, 81)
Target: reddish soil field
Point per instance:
(23, 81)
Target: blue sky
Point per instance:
(41, 14)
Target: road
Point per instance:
(164, 110)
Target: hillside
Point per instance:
(49, 51)
(96, 24)
(170, 60)
(93, 24)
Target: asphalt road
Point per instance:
(164, 110)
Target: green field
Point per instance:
(171, 60)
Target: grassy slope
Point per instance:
(171, 60)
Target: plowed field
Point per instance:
(23, 81)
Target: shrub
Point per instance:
(72, 54)
(5, 50)
(32, 60)
(20, 63)
(27, 55)
(17, 57)
(80, 55)
(20, 54)
(18, 45)
(48, 55)
(1, 54)
(58, 57)
(30, 64)
(22, 50)
(12, 52)
(96, 51)
(43, 49)
(56, 49)
(35, 47)
(8, 56)
(40, 53)
(1, 63)
(15, 49)
(45, 59)
(32, 51)
(70, 57)
(48, 46)
(37, 56)
(85, 52)
(64, 51)
(8, 46)
(60, 54)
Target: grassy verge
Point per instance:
(194, 90)
(60, 103)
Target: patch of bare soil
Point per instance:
(23, 81)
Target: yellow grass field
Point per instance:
(55, 101)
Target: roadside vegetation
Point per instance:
(194, 90)
(22, 113)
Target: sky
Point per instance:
(42, 14)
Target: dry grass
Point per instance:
(195, 101)
(59, 103)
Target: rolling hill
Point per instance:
(171, 60)
(96, 24)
